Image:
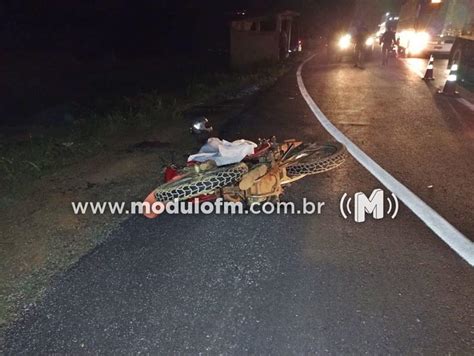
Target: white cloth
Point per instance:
(223, 152)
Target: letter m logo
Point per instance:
(372, 205)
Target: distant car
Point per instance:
(439, 45)
(343, 46)
(412, 43)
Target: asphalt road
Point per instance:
(285, 284)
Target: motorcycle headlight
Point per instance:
(200, 125)
(369, 42)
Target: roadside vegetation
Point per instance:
(35, 154)
(88, 160)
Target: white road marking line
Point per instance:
(467, 103)
(440, 226)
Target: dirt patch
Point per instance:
(40, 233)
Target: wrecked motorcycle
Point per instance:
(258, 178)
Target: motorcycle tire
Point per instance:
(328, 156)
(198, 184)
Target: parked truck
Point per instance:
(432, 26)
(462, 54)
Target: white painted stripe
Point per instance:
(467, 103)
(440, 226)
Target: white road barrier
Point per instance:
(440, 226)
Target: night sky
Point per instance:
(146, 25)
(49, 44)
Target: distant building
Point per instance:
(261, 37)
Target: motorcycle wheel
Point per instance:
(325, 157)
(193, 185)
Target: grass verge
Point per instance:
(37, 154)
(85, 160)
